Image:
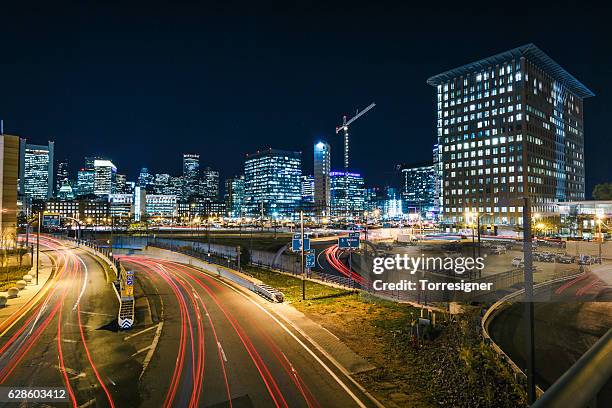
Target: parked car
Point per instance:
(518, 262)
(498, 250)
(565, 259)
(586, 260)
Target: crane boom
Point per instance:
(359, 114)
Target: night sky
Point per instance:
(144, 83)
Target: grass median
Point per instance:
(453, 367)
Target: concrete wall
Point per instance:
(589, 248)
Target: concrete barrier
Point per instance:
(12, 292)
(27, 279)
(21, 284)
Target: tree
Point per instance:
(603, 191)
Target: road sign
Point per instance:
(310, 260)
(296, 243)
(297, 236)
(354, 235)
(343, 243)
(306, 243)
(127, 285)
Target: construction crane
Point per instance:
(345, 126)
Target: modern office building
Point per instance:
(160, 183)
(322, 184)
(209, 184)
(191, 174)
(161, 205)
(36, 170)
(308, 189)
(120, 205)
(121, 186)
(104, 178)
(418, 186)
(85, 182)
(234, 196)
(347, 194)
(62, 174)
(508, 126)
(145, 179)
(272, 183)
(9, 171)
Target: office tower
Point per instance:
(121, 184)
(89, 161)
(175, 186)
(191, 174)
(145, 178)
(120, 206)
(36, 170)
(307, 188)
(62, 174)
(347, 194)
(9, 171)
(105, 172)
(234, 196)
(272, 183)
(509, 126)
(209, 184)
(322, 167)
(418, 186)
(160, 183)
(85, 182)
(161, 205)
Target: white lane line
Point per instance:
(88, 403)
(305, 347)
(141, 351)
(80, 375)
(111, 381)
(141, 332)
(222, 352)
(76, 304)
(97, 314)
(149, 355)
(69, 341)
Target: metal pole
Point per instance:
(600, 241)
(302, 253)
(528, 312)
(38, 248)
(478, 222)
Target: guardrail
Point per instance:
(581, 385)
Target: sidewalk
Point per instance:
(25, 295)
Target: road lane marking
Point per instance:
(305, 347)
(141, 351)
(141, 332)
(153, 346)
(88, 403)
(97, 314)
(76, 304)
(222, 352)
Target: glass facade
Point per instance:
(322, 186)
(191, 174)
(36, 170)
(85, 182)
(104, 179)
(347, 194)
(509, 126)
(273, 183)
(418, 187)
(234, 196)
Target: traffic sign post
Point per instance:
(310, 260)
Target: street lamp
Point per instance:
(469, 220)
(600, 217)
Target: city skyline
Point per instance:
(211, 121)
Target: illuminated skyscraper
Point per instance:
(322, 167)
(209, 184)
(234, 196)
(272, 183)
(104, 179)
(191, 174)
(85, 182)
(509, 126)
(62, 174)
(418, 186)
(36, 170)
(347, 194)
(9, 170)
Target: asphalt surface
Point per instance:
(219, 348)
(65, 338)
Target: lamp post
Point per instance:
(600, 217)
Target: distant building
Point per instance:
(308, 189)
(272, 183)
(62, 174)
(204, 208)
(120, 205)
(161, 205)
(234, 196)
(191, 174)
(347, 194)
(209, 184)
(418, 186)
(145, 179)
(36, 170)
(509, 126)
(9, 171)
(66, 192)
(160, 183)
(121, 186)
(104, 179)
(85, 182)
(322, 183)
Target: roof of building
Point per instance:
(274, 152)
(530, 52)
(408, 166)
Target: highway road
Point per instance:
(220, 347)
(60, 338)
